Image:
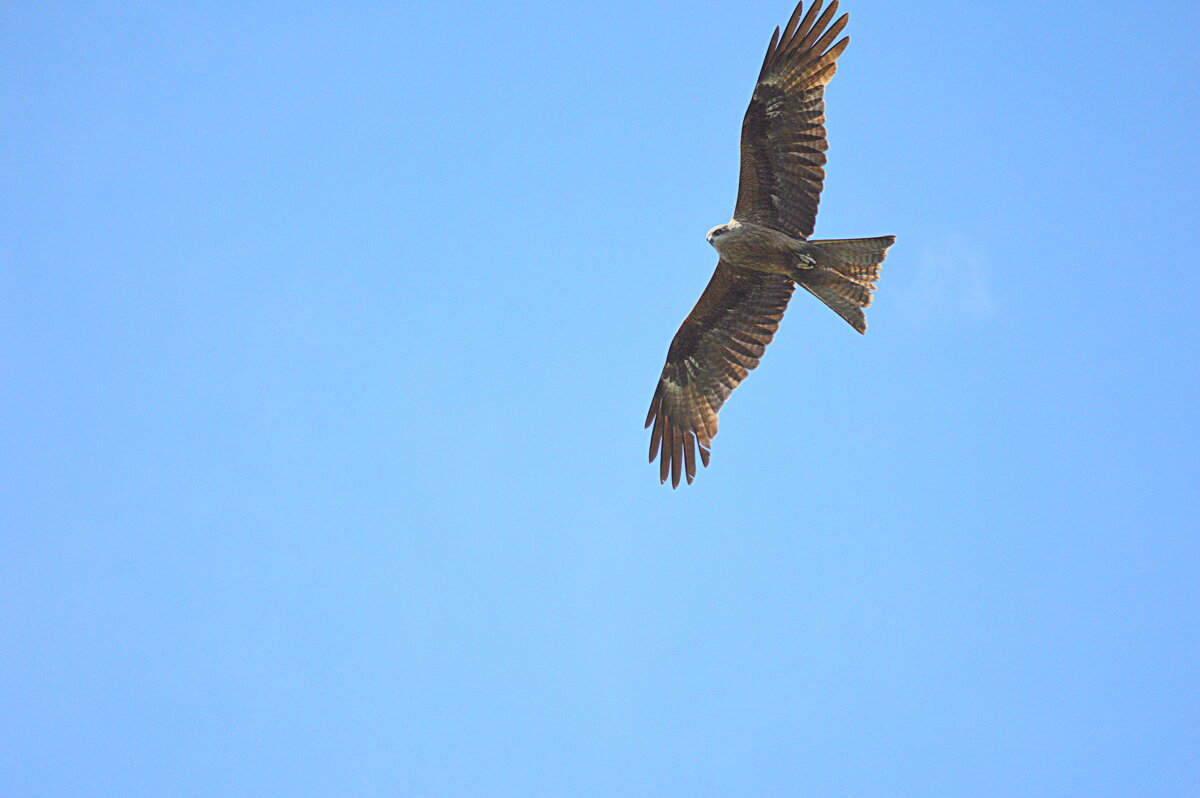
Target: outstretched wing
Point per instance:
(783, 134)
(717, 345)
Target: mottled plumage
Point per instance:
(764, 251)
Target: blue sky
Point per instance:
(328, 332)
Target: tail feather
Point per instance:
(845, 297)
(869, 251)
(845, 274)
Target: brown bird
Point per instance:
(764, 250)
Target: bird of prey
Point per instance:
(764, 249)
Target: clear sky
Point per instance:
(327, 332)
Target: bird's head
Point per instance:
(714, 235)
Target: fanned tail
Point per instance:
(845, 274)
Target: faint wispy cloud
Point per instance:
(954, 277)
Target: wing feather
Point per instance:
(783, 133)
(717, 345)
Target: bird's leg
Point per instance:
(801, 264)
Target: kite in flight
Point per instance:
(764, 250)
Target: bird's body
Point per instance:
(765, 250)
(746, 245)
